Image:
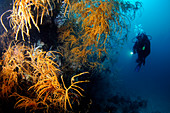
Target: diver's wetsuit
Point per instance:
(142, 47)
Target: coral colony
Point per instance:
(52, 79)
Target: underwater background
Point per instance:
(152, 82)
(120, 89)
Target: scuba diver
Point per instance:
(142, 48)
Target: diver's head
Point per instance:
(140, 36)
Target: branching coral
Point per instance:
(130, 9)
(28, 103)
(50, 90)
(74, 87)
(42, 76)
(12, 68)
(22, 15)
(93, 19)
(98, 23)
(46, 86)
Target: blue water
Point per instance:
(153, 80)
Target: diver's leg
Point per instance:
(139, 59)
(138, 67)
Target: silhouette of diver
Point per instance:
(142, 48)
